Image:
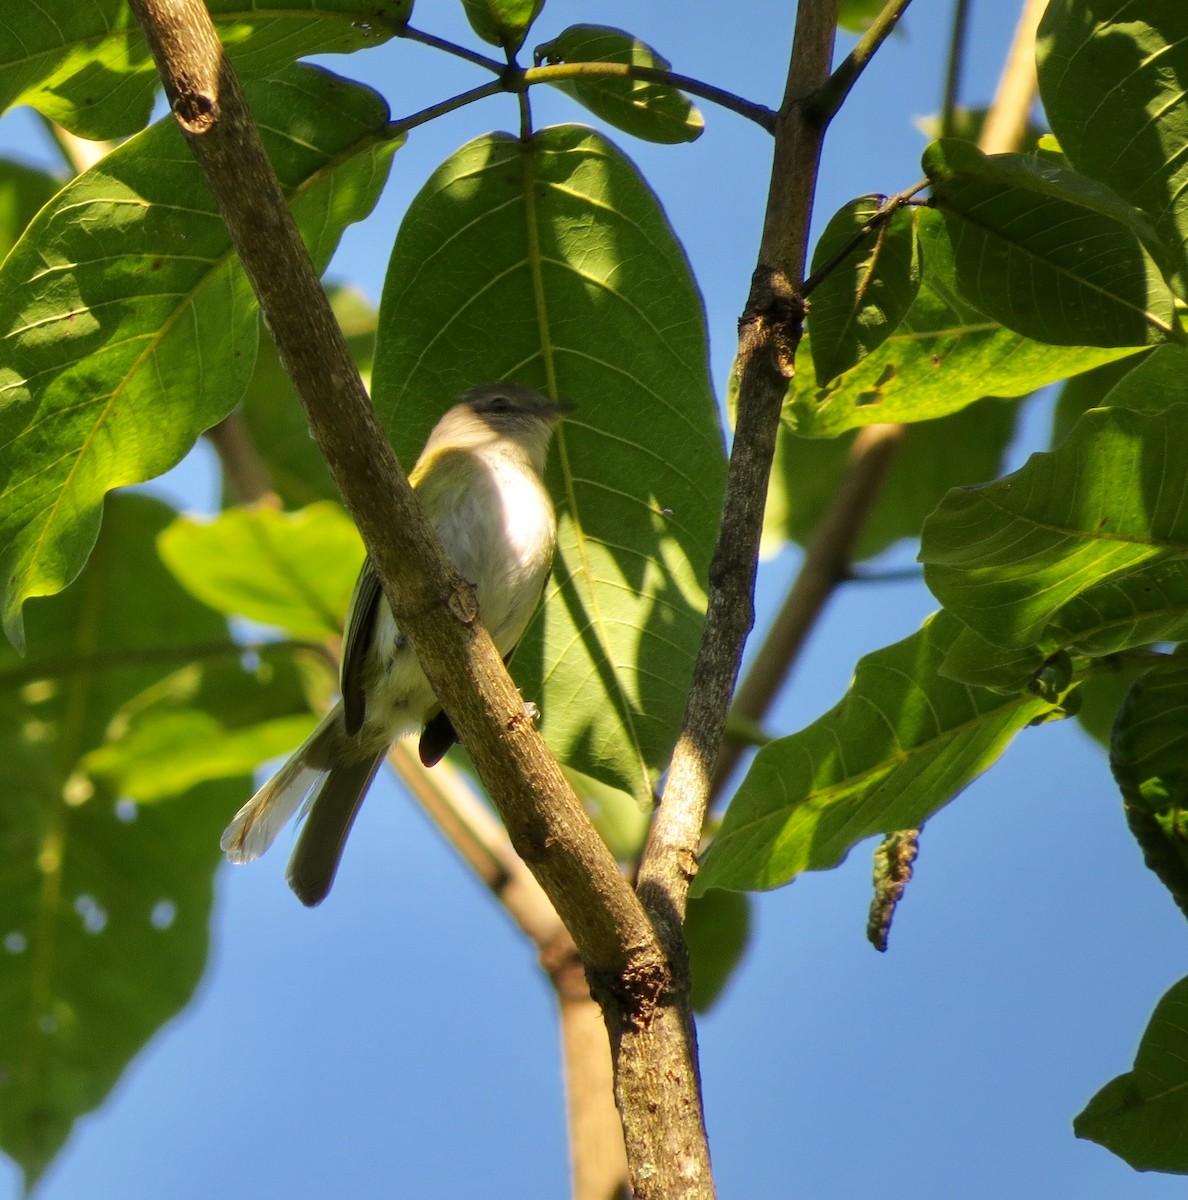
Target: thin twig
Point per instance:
(887, 209)
(769, 333)
(837, 87)
(446, 106)
(556, 72)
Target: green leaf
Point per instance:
(1157, 381)
(1007, 556)
(552, 263)
(944, 356)
(653, 111)
(900, 745)
(276, 421)
(502, 22)
(1149, 758)
(856, 16)
(129, 324)
(1134, 140)
(87, 66)
(863, 300)
(1083, 392)
(717, 931)
(1051, 254)
(104, 906)
(1142, 1116)
(291, 570)
(23, 190)
(213, 720)
(963, 448)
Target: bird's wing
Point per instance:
(360, 630)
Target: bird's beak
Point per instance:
(559, 409)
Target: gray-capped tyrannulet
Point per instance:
(479, 479)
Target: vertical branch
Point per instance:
(769, 333)
(956, 65)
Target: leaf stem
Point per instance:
(446, 106)
(439, 43)
(556, 72)
(837, 87)
(888, 208)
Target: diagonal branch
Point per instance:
(656, 1080)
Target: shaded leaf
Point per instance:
(1136, 609)
(291, 570)
(1101, 698)
(863, 300)
(87, 66)
(1142, 1116)
(217, 720)
(1083, 392)
(1007, 556)
(130, 326)
(717, 932)
(103, 906)
(900, 745)
(502, 22)
(23, 191)
(1135, 141)
(944, 355)
(1149, 758)
(276, 421)
(653, 111)
(963, 448)
(551, 263)
(1049, 253)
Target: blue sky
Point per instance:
(399, 1040)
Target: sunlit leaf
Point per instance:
(129, 325)
(86, 64)
(1142, 1116)
(1051, 254)
(103, 905)
(552, 263)
(291, 570)
(502, 22)
(865, 297)
(944, 356)
(900, 745)
(653, 111)
(1132, 138)
(1005, 557)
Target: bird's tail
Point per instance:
(331, 808)
(254, 828)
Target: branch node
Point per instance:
(196, 112)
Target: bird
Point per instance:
(480, 480)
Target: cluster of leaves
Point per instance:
(1062, 580)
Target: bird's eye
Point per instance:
(498, 404)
